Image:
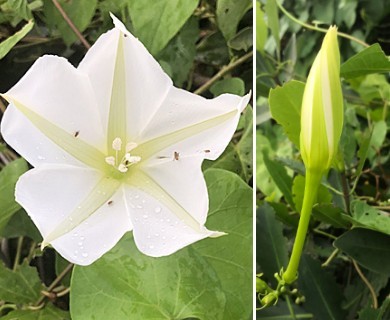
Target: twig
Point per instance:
(311, 27)
(330, 259)
(325, 234)
(368, 284)
(222, 72)
(55, 282)
(18, 252)
(71, 24)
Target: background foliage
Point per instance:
(205, 46)
(344, 273)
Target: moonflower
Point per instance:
(115, 147)
(322, 107)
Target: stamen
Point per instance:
(122, 168)
(110, 161)
(133, 159)
(117, 144)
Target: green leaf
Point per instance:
(298, 190)
(10, 42)
(364, 215)
(180, 52)
(228, 85)
(229, 14)
(213, 50)
(330, 214)
(8, 177)
(369, 313)
(238, 156)
(377, 138)
(79, 12)
(132, 285)
(280, 177)
(21, 224)
(209, 280)
(49, 312)
(369, 248)
(323, 296)
(285, 105)
(20, 286)
(243, 40)
(370, 60)
(157, 22)
(271, 246)
(281, 311)
(261, 28)
(271, 11)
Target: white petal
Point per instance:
(30, 142)
(183, 180)
(146, 82)
(56, 91)
(157, 230)
(50, 194)
(190, 124)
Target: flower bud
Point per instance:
(322, 107)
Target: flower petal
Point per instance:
(145, 82)
(29, 141)
(183, 180)
(190, 124)
(60, 109)
(51, 194)
(63, 96)
(161, 226)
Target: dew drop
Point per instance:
(145, 216)
(157, 210)
(148, 236)
(139, 206)
(151, 246)
(136, 196)
(84, 254)
(164, 237)
(82, 238)
(156, 235)
(41, 158)
(80, 243)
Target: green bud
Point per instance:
(322, 107)
(261, 286)
(270, 298)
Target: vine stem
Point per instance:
(367, 283)
(223, 71)
(312, 183)
(56, 281)
(71, 24)
(18, 253)
(311, 27)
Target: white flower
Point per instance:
(115, 147)
(322, 107)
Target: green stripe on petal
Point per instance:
(117, 115)
(144, 182)
(99, 195)
(151, 147)
(77, 148)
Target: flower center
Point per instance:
(123, 163)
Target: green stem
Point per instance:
(311, 27)
(312, 183)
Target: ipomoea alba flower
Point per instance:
(115, 147)
(322, 107)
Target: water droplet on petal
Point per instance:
(151, 246)
(80, 243)
(41, 158)
(139, 206)
(84, 254)
(157, 210)
(145, 216)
